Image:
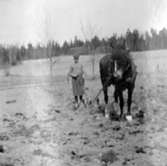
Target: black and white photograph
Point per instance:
(83, 83)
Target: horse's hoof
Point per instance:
(129, 118)
(107, 116)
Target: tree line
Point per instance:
(132, 39)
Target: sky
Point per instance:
(37, 21)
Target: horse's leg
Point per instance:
(116, 95)
(121, 99)
(105, 90)
(129, 102)
(115, 103)
(105, 94)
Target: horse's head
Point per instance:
(118, 70)
(120, 66)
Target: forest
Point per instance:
(135, 41)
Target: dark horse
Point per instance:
(119, 70)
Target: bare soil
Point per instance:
(40, 127)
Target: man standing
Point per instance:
(76, 73)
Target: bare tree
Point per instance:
(89, 32)
(48, 40)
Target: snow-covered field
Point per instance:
(39, 126)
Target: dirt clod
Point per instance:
(139, 149)
(2, 149)
(109, 157)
